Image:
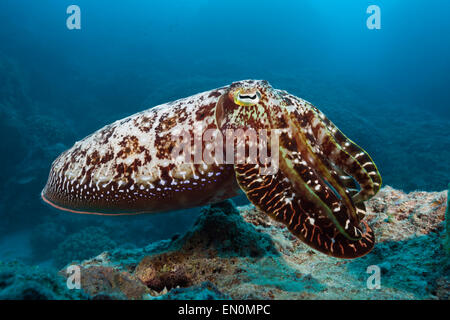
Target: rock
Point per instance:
(22, 282)
(159, 272)
(222, 228)
(99, 281)
(240, 253)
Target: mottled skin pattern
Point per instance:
(127, 167)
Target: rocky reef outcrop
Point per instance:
(22, 282)
(240, 253)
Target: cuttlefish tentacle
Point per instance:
(318, 175)
(307, 181)
(346, 154)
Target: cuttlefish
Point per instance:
(318, 190)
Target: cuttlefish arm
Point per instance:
(298, 196)
(275, 195)
(343, 152)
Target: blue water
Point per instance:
(386, 89)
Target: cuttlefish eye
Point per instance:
(247, 98)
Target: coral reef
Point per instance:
(126, 232)
(21, 282)
(46, 236)
(31, 139)
(447, 225)
(240, 253)
(88, 242)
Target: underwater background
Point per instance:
(386, 89)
